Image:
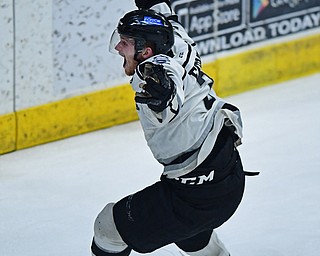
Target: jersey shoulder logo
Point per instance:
(161, 59)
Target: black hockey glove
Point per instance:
(147, 4)
(159, 88)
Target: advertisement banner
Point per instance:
(206, 18)
(275, 10)
(220, 25)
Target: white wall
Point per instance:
(33, 44)
(81, 33)
(61, 50)
(6, 57)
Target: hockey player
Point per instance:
(189, 130)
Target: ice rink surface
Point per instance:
(51, 194)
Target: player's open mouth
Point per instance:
(124, 62)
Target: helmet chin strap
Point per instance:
(135, 57)
(139, 46)
(138, 56)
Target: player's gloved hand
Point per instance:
(159, 88)
(147, 4)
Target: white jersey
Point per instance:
(182, 135)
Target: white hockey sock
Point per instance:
(214, 248)
(106, 235)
